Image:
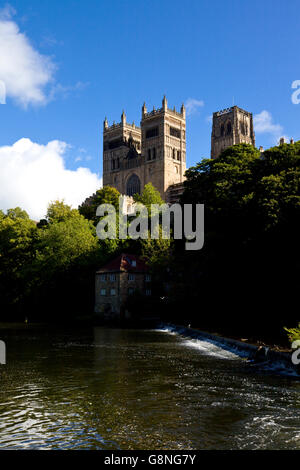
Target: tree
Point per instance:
(150, 195)
(252, 209)
(18, 235)
(293, 333)
(58, 211)
(105, 195)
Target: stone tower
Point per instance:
(121, 151)
(155, 152)
(231, 126)
(164, 146)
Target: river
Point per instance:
(106, 388)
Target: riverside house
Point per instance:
(117, 280)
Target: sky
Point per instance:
(65, 65)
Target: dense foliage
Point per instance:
(244, 280)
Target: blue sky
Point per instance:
(94, 58)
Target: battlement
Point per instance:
(120, 125)
(163, 109)
(230, 110)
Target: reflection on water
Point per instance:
(136, 389)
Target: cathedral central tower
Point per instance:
(231, 126)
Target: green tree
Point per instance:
(58, 211)
(252, 209)
(105, 195)
(293, 333)
(18, 235)
(150, 195)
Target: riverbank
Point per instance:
(257, 354)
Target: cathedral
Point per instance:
(156, 151)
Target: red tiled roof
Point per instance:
(123, 263)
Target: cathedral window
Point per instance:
(153, 132)
(222, 129)
(175, 132)
(228, 128)
(178, 155)
(173, 153)
(133, 185)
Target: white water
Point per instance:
(214, 348)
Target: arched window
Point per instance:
(133, 185)
(228, 128)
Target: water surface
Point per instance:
(103, 388)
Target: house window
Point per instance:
(149, 154)
(112, 291)
(130, 291)
(133, 263)
(103, 292)
(131, 277)
(102, 277)
(148, 291)
(112, 277)
(148, 277)
(154, 153)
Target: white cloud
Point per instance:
(64, 91)
(263, 124)
(192, 105)
(32, 175)
(23, 69)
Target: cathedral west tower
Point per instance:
(154, 152)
